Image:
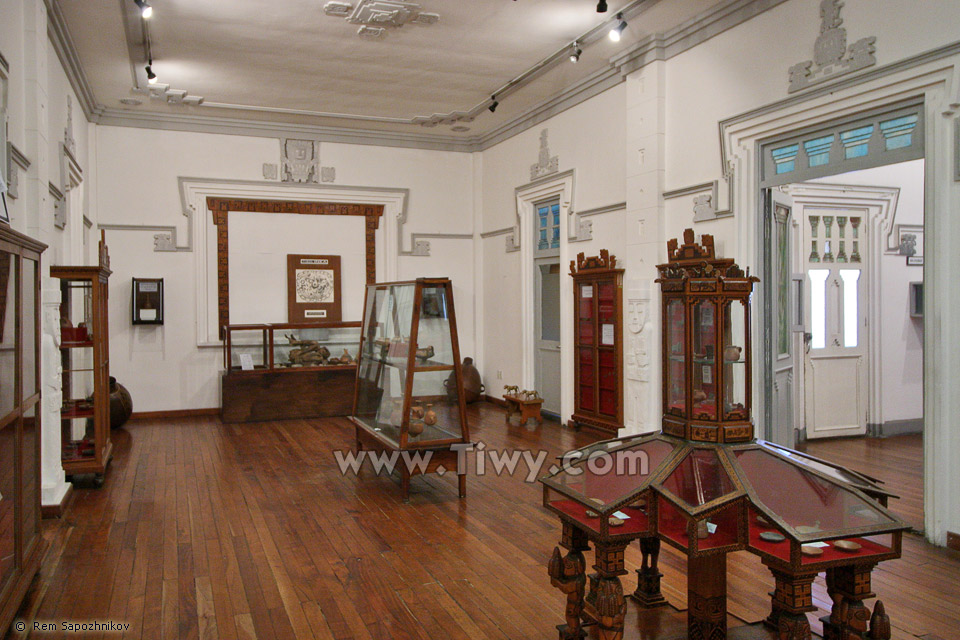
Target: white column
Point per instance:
(645, 168)
(40, 225)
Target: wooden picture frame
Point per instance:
(313, 288)
(146, 301)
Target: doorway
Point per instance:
(547, 338)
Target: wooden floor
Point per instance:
(249, 531)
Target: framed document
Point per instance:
(313, 288)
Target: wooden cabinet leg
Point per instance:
(848, 587)
(568, 574)
(707, 596)
(462, 484)
(610, 606)
(648, 593)
(791, 599)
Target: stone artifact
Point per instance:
(425, 353)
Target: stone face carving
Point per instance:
(300, 160)
(638, 357)
(831, 57)
(703, 207)
(546, 164)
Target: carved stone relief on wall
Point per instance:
(300, 160)
(831, 56)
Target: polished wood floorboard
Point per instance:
(897, 461)
(205, 530)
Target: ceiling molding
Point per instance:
(664, 46)
(59, 35)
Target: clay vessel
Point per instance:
(121, 404)
(415, 428)
(732, 353)
(473, 387)
(430, 416)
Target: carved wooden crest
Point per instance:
(593, 263)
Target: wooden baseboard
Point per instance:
(57, 510)
(177, 413)
(500, 402)
(953, 540)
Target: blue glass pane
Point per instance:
(898, 133)
(855, 141)
(785, 158)
(818, 150)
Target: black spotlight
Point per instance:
(602, 6)
(493, 105)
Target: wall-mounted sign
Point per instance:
(313, 288)
(147, 301)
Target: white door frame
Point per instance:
(878, 207)
(558, 185)
(935, 76)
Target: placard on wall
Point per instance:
(313, 288)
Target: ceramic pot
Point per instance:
(416, 412)
(430, 416)
(473, 387)
(415, 428)
(121, 404)
(732, 353)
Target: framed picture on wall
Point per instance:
(313, 288)
(910, 243)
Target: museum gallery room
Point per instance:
(390, 319)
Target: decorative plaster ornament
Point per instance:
(831, 57)
(300, 160)
(328, 174)
(546, 164)
(269, 171)
(376, 16)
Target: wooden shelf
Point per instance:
(77, 345)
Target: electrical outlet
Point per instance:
(499, 374)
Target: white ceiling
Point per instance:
(287, 61)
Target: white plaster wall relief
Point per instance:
(269, 171)
(71, 175)
(328, 174)
(166, 239)
(16, 162)
(419, 245)
(638, 357)
(68, 139)
(546, 164)
(300, 160)
(956, 149)
(705, 205)
(376, 16)
(59, 215)
(584, 227)
(831, 56)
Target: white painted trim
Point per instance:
(556, 186)
(196, 190)
(878, 206)
(937, 79)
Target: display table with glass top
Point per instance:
(705, 486)
(409, 386)
(280, 371)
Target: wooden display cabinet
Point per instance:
(280, 371)
(21, 542)
(409, 387)
(706, 344)
(85, 356)
(598, 342)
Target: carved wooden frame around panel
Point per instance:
(220, 207)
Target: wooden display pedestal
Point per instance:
(525, 408)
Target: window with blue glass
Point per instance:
(548, 226)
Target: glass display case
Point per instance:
(598, 342)
(706, 347)
(251, 347)
(21, 542)
(705, 486)
(409, 387)
(279, 371)
(85, 359)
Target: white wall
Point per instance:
(163, 367)
(901, 359)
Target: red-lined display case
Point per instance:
(85, 357)
(598, 342)
(705, 486)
